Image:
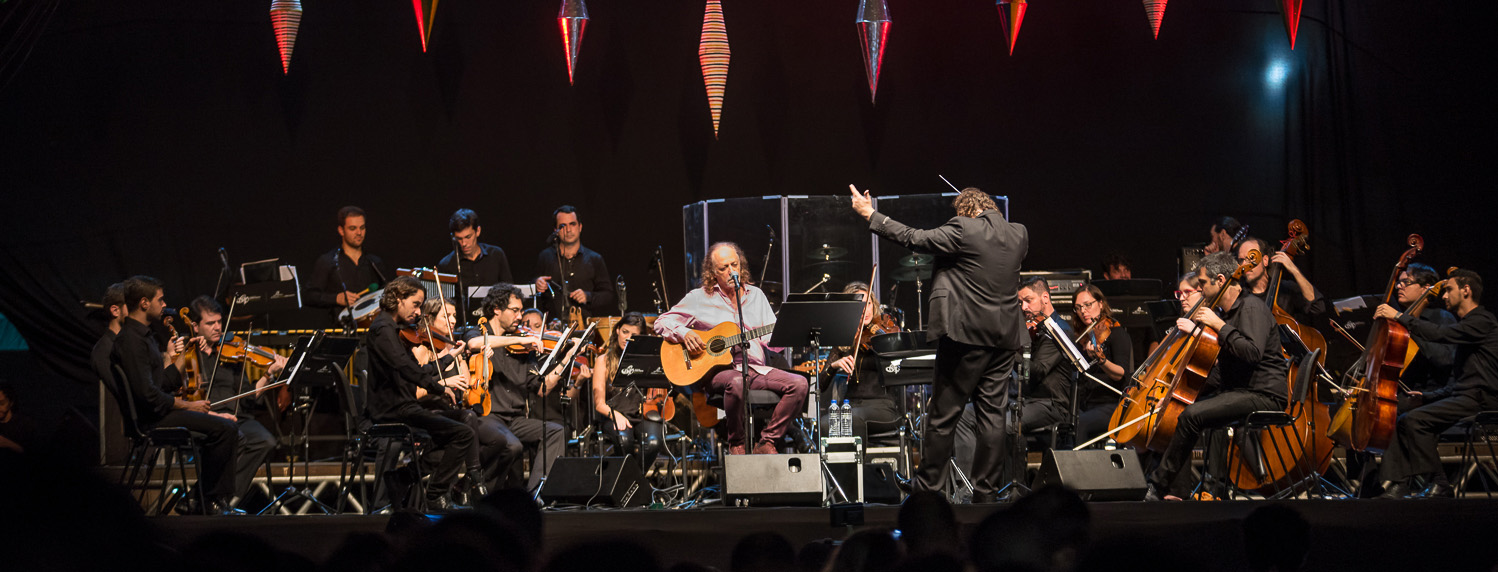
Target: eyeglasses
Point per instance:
(515, 308)
(1086, 305)
(1402, 282)
(1184, 294)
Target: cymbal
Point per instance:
(917, 260)
(827, 252)
(912, 273)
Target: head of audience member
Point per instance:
(724, 259)
(927, 524)
(1045, 530)
(208, 318)
(972, 203)
(145, 297)
(1221, 234)
(468, 541)
(360, 552)
(503, 306)
(872, 550)
(403, 298)
(517, 507)
(621, 555)
(465, 229)
(569, 228)
(1035, 298)
(1413, 281)
(762, 552)
(1277, 538)
(1117, 267)
(351, 227)
(815, 555)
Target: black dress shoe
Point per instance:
(1396, 491)
(1439, 491)
(223, 508)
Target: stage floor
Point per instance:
(1346, 535)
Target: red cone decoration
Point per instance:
(873, 26)
(426, 12)
(1154, 10)
(285, 17)
(1011, 15)
(1292, 18)
(713, 53)
(573, 18)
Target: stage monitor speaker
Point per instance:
(880, 484)
(772, 480)
(614, 481)
(1096, 475)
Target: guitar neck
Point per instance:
(749, 335)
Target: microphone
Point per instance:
(735, 277)
(555, 237)
(772, 232)
(223, 255)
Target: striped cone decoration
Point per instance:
(426, 12)
(713, 53)
(1291, 10)
(1154, 10)
(1011, 15)
(873, 25)
(286, 18)
(573, 18)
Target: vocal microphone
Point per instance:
(555, 237)
(772, 233)
(735, 277)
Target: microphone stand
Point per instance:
(662, 297)
(462, 292)
(765, 267)
(348, 321)
(738, 301)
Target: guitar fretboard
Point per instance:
(749, 335)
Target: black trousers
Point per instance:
(255, 444)
(548, 439)
(499, 448)
(453, 438)
(220, 449)
(1093, 422)
(966, 373)
(1413, 452)
(1215, 411)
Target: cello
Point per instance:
(1365, 422)
(1281, 471)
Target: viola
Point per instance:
(480, 371)
(192, 371)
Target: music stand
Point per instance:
(315, 363)
(813, 321)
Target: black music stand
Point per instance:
(817, 321)
(911, 365)
(315, 363)
(640, 367)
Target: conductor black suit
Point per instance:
(977, 322)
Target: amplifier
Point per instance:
(1064, 284)
(1130, 299)
(1189, 257)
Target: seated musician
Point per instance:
(532, 318)
(225, 379)
(1222, 232)
(1047, 398)
(620, 408)
(139, 356)
(340, 276)
(874, 409)
(1473, 386)
(516, 377)
(1297, 296)
(1111, 350)
(394, 377)
(498, 449)
(714, 303)
(1250, 373)
(1431, 367)
(1117, 267)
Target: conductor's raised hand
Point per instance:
(863, 204)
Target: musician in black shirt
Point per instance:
(480, 265)
(1431, 368)
(1296, 295)
(140, 357)
(581, 280)
(340, 275)
(1048, 395)
(1473, 386)
(1111, 352)
(225, 379)
(874, 408)
(1250, 373)
(394, 376)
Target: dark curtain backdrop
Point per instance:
(139, 137)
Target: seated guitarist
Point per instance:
(713, 304)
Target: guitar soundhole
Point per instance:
(715, 346)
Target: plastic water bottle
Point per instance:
(847, 419)
(834, 420)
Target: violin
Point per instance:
(480, 371)
(236, 350)
(549, 340)
(881, 324)
(426, 337)
(192, 371)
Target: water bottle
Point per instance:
(834, 420)
(847, 419)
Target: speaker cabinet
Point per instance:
(772, 480)
(1096, 475)
(614, 481)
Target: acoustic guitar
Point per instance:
(684, 369)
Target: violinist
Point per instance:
(1473, 386)
(340, 276)
(621, 409)
(874, 408)
(516, 376)
(139, 355)
(394, 376)
(1297, 297)
(1250, 373)
(532, 319)
(498, 448)
(224, 379)
(1108, 347)
(573, 275)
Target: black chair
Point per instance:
(1251, 424)
(395, 450)
(146, 445)
(1478, 426)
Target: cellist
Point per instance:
(1250, 373)
(1302, 301)
(1473, 386)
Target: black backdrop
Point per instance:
(140, 137)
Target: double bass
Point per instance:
(1170, 379)
(1293, 445)
(1365, 422)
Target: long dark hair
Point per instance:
(635, 319)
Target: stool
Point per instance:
(147, 445)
